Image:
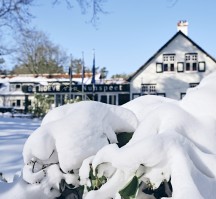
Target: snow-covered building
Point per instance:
(178, 65)
(18, 91)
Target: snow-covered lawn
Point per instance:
(13, 134)
(172, 153)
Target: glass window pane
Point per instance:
(171, 67)
(187, 66)
(180, 67)
(202, 66)
(159, 68)
(165, 67)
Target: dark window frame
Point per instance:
(182, 95)
(180, 71)
(161, 94)
(157, 65)
(194, 84)
(202, 62)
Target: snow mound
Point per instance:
(174, 140)
(68, 135)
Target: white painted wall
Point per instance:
(173, 83)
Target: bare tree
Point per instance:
(95, 7)
(37, 54)
(15, 14)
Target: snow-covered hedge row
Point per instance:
(172, 152)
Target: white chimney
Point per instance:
(183, 26)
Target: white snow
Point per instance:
(172, 139)
(13, 134)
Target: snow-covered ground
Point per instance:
(13, 134)
(172, 149)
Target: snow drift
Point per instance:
(173, 144)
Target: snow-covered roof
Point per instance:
(44, 79)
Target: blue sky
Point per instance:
(130, 33)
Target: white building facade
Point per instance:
(175, 67)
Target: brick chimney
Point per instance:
(183, 26)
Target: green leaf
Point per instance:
(130, 190)
(123, 138)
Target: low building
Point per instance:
(18, 91)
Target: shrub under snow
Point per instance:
(172, 152)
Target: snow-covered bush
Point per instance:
(171, 153)
(68, 135)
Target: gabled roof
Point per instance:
(165, 45)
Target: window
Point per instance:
(145, 88)
(165, 67)
(18, 86)
(187, 66)
(194, 66)
(168, 62)
(194, 57)
(172, 58)
(18, 102)
(201, 67)
(180, 67)
(148, 89)
(152, 89)
(191, 61)
(159, 67)
(187, 57)
(171, 67)
(165, 58)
